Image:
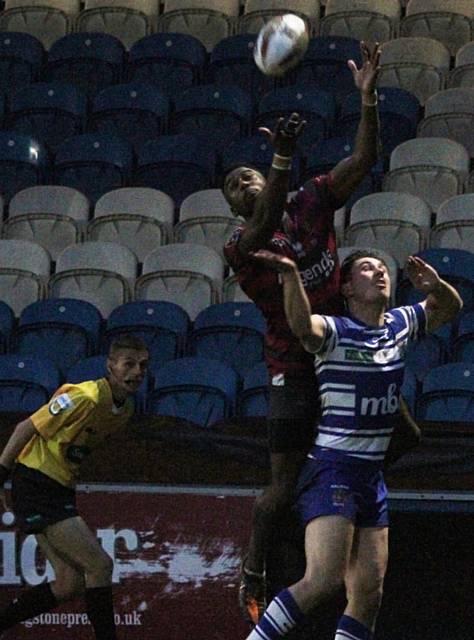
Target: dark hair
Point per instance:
(346, 266)
(126, 341)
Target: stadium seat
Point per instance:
(186, 274)
(418, 65)
(7, 319)
(448, 22)
(93, 163)
(50, 215)
(66, 329)
(21, 59)
(101, 273)
(231, 332)
(447, 394)
(256, 152)
(454, 228)
(176, 164)
(163, 326)
(253, 397)
(395, 222)
(433, 169)
(425, 354)
(324, 65)
(368, 20)
(139, 218)
(399, 113)
(317, 107)
(172, 62)
(70, 7)
(217, 114)
(94, 368)
(90, 61)
(40, 19)
(127, 20)
(207, 20)
(26, 383)
(23, 163)
(232, 291)
(258, 12)
(463, 340)
(135, 112)
(51, 113)
(231, 62)
(463, 73)
(24, 269)
(199, 391)
(450, 114)
(409, 389)
(454, 265)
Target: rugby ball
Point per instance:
(280, 44)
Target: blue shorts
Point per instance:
(349, 488)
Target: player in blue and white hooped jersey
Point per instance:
(341, 495)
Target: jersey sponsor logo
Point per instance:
(319, 270)
(356, 355)
(381, 406)
(62, 402)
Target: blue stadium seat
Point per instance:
(409, 389)
(455, 265)
(163, 325)
(21, 59)
(176, 164)
(197, 390)
(7, 319)
(256, 152)
(425, 354)
(316, 106)
(231, 332)
(26, 383)
(232, 63)
(23, 163)
(135, 112)
(253, 398)
(51, 113)
(447, 394)
(218, 114)
(95, 367)
(325, 154)
(399, 114)
(90, 61)
(463, 341)
(171, 62)
(66, 329)
(324, 65)
(93, 164)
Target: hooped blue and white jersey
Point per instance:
(360, 372)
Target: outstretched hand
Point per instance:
(365, 78)
(286, 133)
(280, 263)
(422, 276)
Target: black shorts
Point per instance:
(293, 415)
(39, 501)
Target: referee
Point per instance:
(43, 455)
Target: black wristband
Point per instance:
(4, 473)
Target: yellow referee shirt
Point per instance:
(78, 418)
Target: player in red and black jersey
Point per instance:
(302, 230)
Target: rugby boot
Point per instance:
(252, 594)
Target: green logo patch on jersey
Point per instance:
(355, 355)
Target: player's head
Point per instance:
(127, 362)
(241, 188)
(365, 278)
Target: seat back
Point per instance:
(372, 20)
(26, 383)
(21, 59)
(454, 227)
(447, 394)
(45, 23)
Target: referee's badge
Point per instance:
(60, 403)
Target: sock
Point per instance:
(100, 609)
(280, 617)
(29, 604)
(351, 629)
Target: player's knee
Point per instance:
(368, 595)
(321, 587)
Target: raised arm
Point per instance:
(309, 329)
(443, 302)
(271, 202)
(349, 172)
